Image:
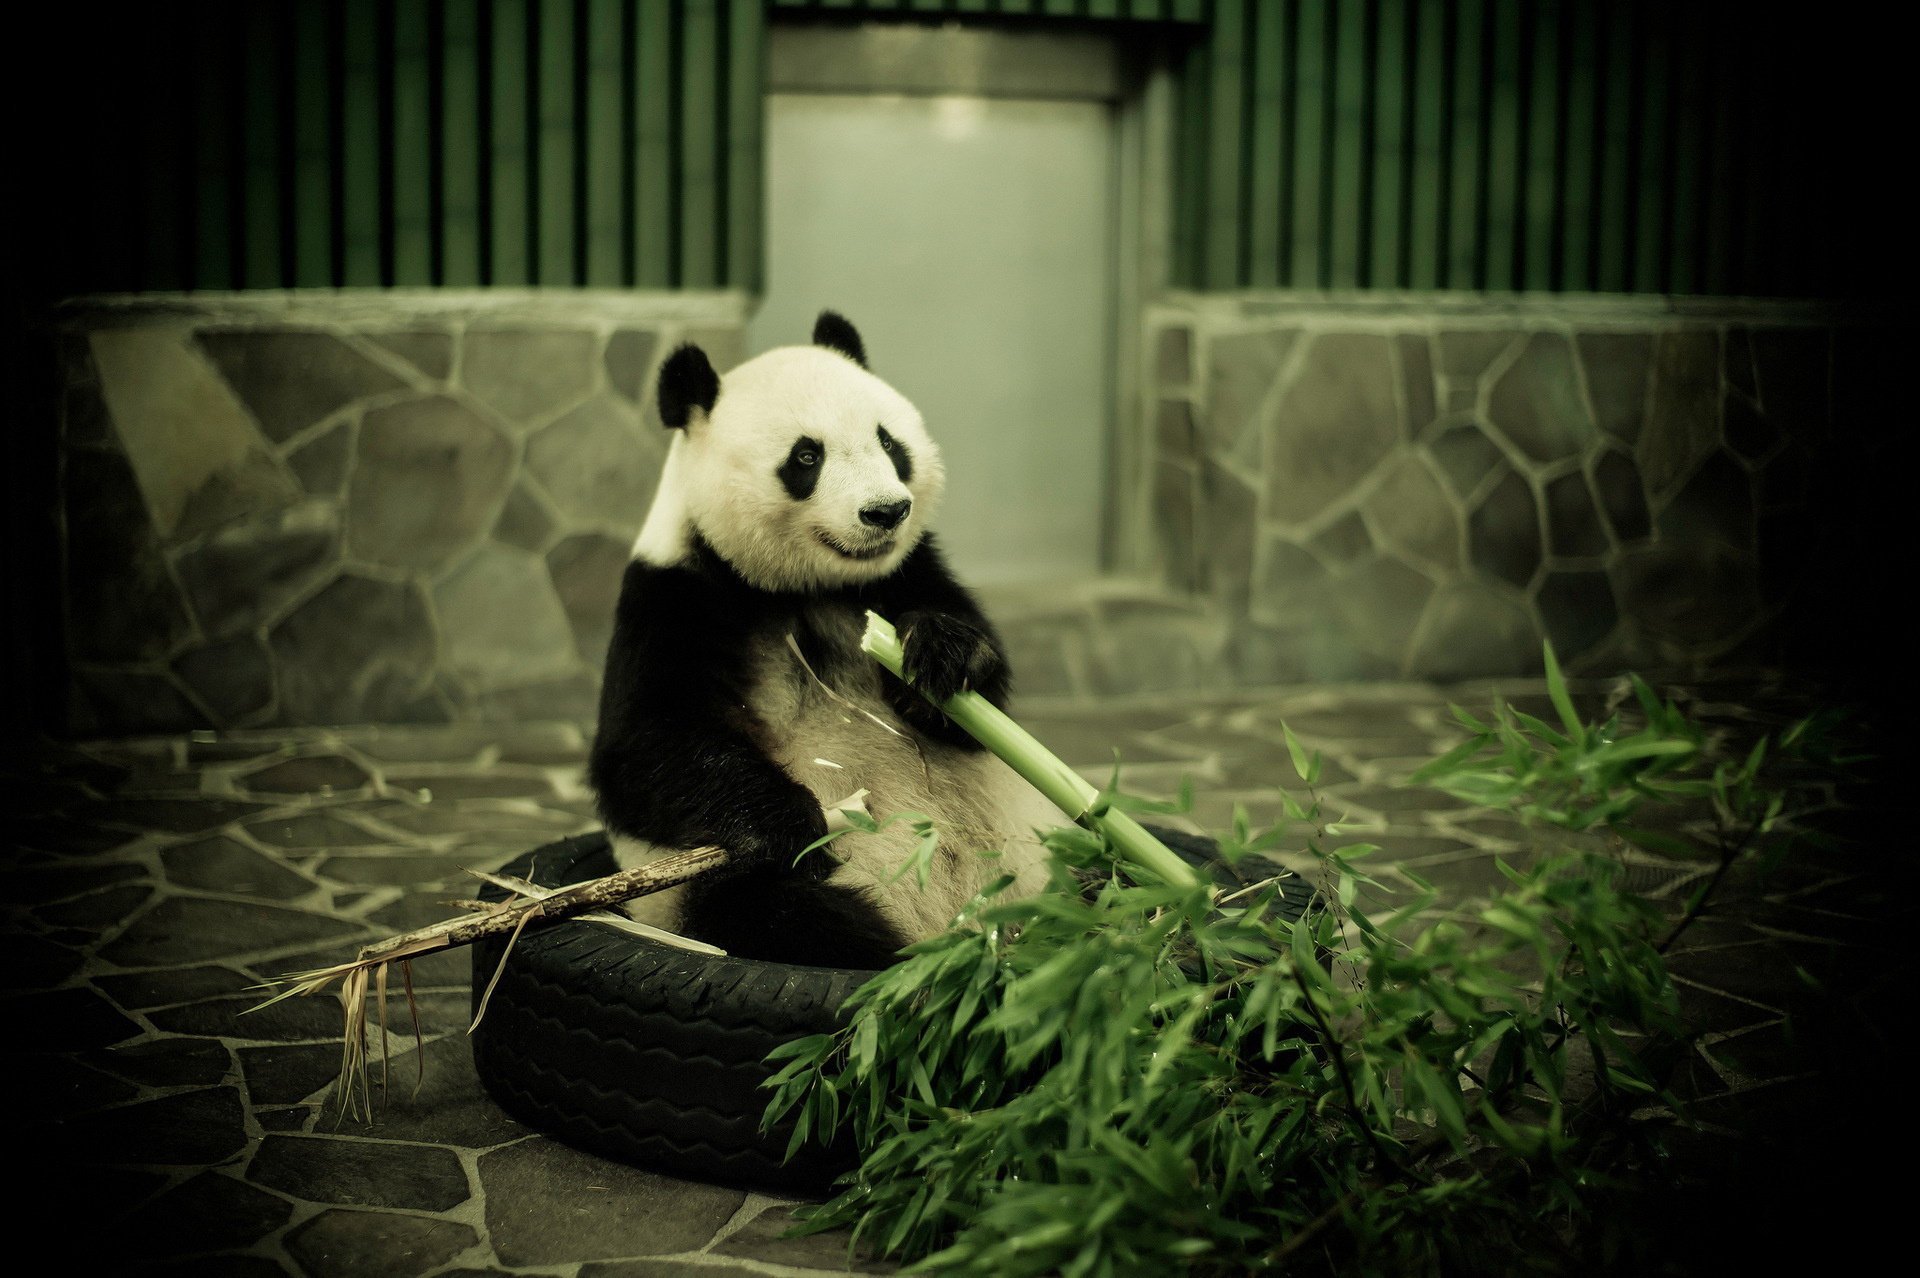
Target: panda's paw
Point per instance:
(944, 654)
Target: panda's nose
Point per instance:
(887, 515)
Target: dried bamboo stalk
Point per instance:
(576, 898)
(508, 917)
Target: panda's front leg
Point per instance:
(943, 654)
(677, 761)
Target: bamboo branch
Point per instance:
(505, 919)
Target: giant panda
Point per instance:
(797, 493)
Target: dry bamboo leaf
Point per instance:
(500, 967)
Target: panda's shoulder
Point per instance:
(698, 589)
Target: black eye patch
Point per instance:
(800, 472)
(902, 459)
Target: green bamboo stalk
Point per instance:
(1069, 791)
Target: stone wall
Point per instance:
(285, 509)
(294, 509)
(1420, 487)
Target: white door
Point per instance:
(969, 240)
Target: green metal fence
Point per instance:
(1095, 10)
(1586, 145)
(255, 145)
(1633, 146)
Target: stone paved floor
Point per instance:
(154, 881)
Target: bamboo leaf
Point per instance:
(1302, 764)
(1557, 692)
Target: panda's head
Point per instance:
(800, 468)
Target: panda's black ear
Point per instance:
(833, 331)
(687, 382)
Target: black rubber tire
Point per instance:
(646, 1052)
(653, 1054)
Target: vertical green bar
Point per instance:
(261, 119)
(313, 151)
(1309, 86)
(1464, 225)
(1350, 156)
(1718, 223)
(1190, 10)
(508, 198)
(1389, 88)
(1692, 160)
(653, 160)
(1190, 167)
(1225, 122)
(412, 162)
(1095, 9)
(606, 233)
(1762, 109)
(699, 265)
(553, 141)
(746, 110)
(1614, 219)
(213, 156)
(1649, 216)
(1581, 30)
(1266, 186)
(1427, 194)
(1545, 107)
(360, 172)
(460, 145)
(166, 160)
(94, 255)
(1503, 170)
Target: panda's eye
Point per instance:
(896, 453)
(805, 455)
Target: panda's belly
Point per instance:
(828, 726)
(842, 737)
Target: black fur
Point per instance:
(687, 382)
(798, 475)
(678, 760)
(816, 924)
(833, 331)
(898, 454)
(675, 760)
